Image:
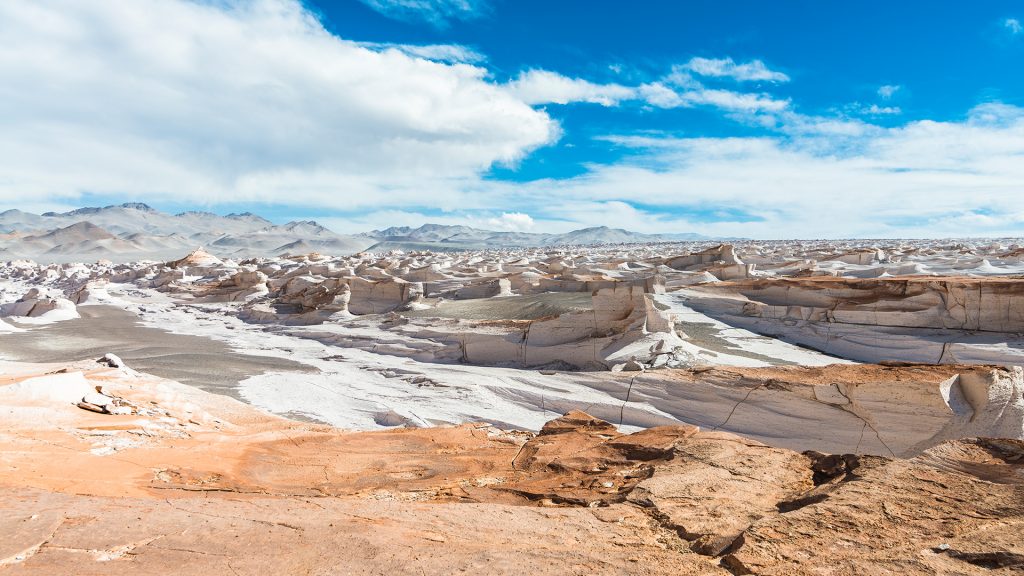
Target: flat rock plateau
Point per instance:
(653, 406)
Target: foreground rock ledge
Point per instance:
(184, 482)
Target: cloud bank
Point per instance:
(237, 101)
(675, 90)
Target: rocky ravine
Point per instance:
(108, 471)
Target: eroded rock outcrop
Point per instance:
(38, 304)
(623, 323)
(885, 410)
(991, 305)
(380, 296)
(720, 261)
(218, 487)
(916, 319)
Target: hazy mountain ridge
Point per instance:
(135, 231)
(442, 237)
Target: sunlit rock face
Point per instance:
(644, 334)
(680, 498)
(36, 303)
(918, 319)
(379, 296)
(994, 305)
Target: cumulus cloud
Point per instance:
(1013, 25)
(755, 70)
(876, 110)
(546, 87)
(660, 95)
(380, 219)
(240, 101)
(254, 101)
(729, 100)
(887, 91)
(918, 179)
(439, 13)
(815, 177)
(453, 53)
(872, 109)
(512, 221)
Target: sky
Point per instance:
(795, 119)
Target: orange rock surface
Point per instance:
(193, 483)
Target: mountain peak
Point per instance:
(78, 231)
(141, 207)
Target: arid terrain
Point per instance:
(511, 288)
(651, 408)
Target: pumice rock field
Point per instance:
(511, 288)
(656, 408)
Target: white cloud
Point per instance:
(887, 91)
(437, 12)
(1013, 25)
(452, 53)
(512, 221)
(728, 68)
(546, 87)
(925, 178)
(660, 95)
(876, 110)
(738, 101)
(380, 219)
(816, 177)
(253, 101)
(239, 101)
(872, 109)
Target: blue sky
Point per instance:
(761, 119)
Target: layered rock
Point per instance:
(217, 487)
(484, 289)
(720, 262)
(623, 323)
(197, 263)
(992, 305)
(380, 296)
(943, 320)
(37, 304)
(885, 410)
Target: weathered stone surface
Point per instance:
(885, 410)
(218, 487)
(915, 319)
(718, 484)
(956, 509)
(36, 303)
(380, 296)
(485, 289)
(992, 305)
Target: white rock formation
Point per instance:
(36, 304)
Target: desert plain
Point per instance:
(640, 406)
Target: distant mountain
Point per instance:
(442, 237)
(78, 232)
(137, 231)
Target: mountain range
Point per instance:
(136, 231)
(442, 237)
